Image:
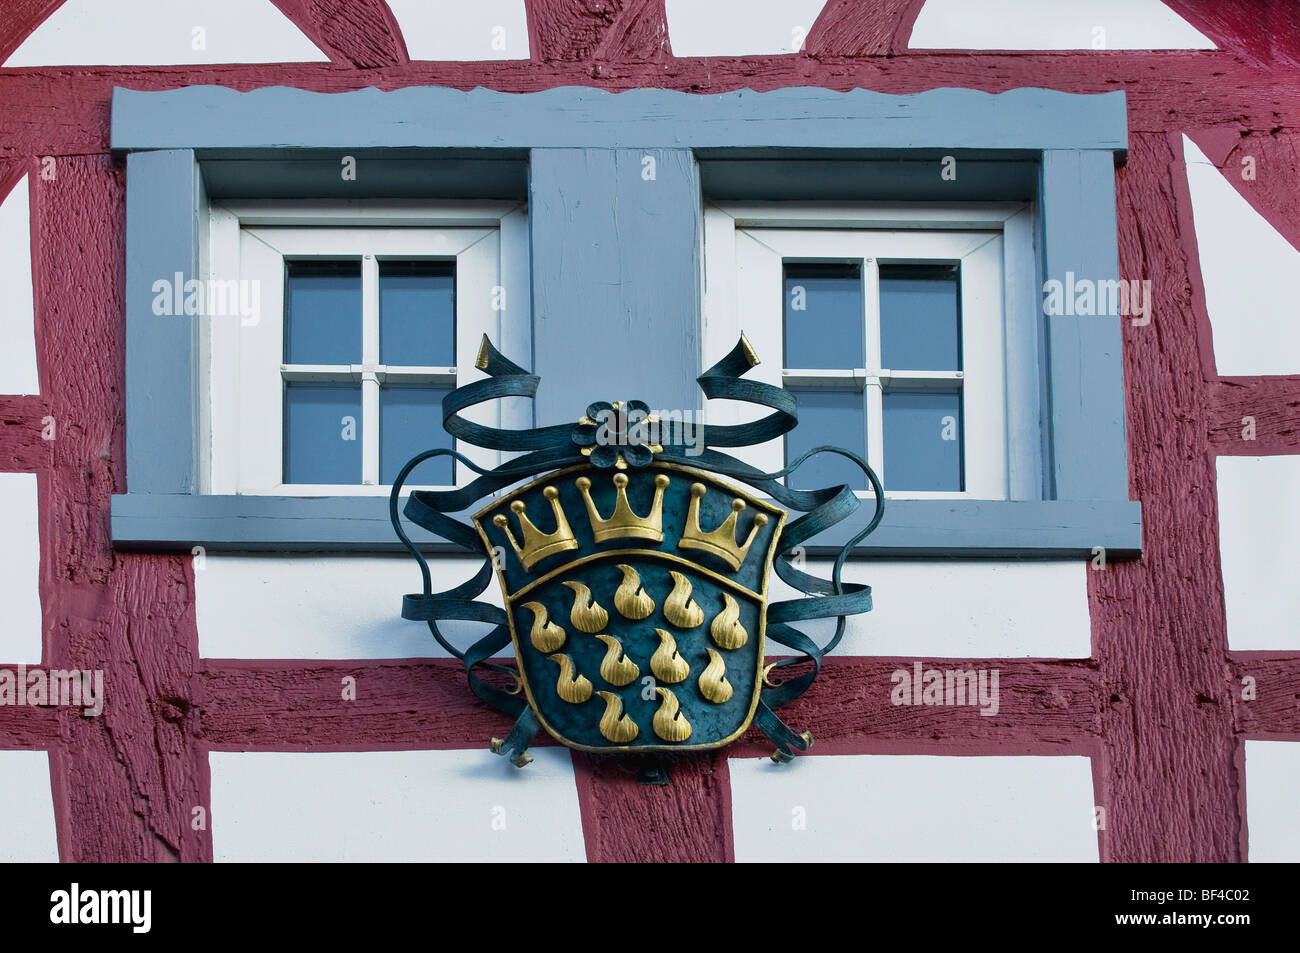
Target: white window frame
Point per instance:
(746, 247)
(242, 359)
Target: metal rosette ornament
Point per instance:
(635, 574)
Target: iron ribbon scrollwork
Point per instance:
(634, 574)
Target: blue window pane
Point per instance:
(923, 441)
(410, 422)
(833, 417)
(322, 323)
(920, 318)
(823, 316)
(322, 433)
(417, 313)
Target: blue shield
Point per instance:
(637, 603)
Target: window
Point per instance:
(636, 204)
(338, 378)
(895, 339)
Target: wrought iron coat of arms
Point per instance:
(634, 572)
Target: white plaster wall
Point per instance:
(1272, 779)
(331, 607)
(962, 608)
(17, 316)
(1053, 25)
(163, 32)
(323, 607)
(910, 808)
(739, 27)
(1259, 522)
(27, 832)
(1243, 260)
(455, 30)
(394, 806)
(20, 568)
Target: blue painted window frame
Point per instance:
(583, 142)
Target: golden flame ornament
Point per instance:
(616, 668)
(614, 725)
(669, 723)
(666, 664)
(570, 689)
(546, 636)
(587, 615)
(631, 599)
(679, 608)
(726, 630)
(713, 680)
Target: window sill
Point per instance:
(1027, 529)
(176, 522)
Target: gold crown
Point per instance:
(538, 545)
(722, 541)
(624, 522)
